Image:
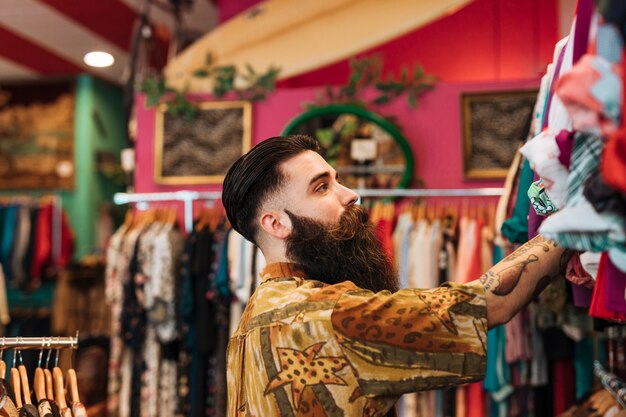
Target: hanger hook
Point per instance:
(19, 351)
(43, 344)
(56, 360)
(2, 350)
(49, 353)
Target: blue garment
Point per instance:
(222, 279)
(515, 229)
(583, 367)
(6, 239)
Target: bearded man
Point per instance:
(328, 332)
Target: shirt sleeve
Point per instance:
(413, 339)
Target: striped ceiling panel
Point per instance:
(43, 38)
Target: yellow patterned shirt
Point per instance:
(305, 348)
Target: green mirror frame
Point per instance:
(370, 116)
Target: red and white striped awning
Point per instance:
(41, 38)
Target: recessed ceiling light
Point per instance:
(98, 59)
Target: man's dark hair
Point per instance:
(255, 176)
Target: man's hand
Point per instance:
(521, 276)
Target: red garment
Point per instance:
(598, 307)
(43, 249)
(67, 242)
(616, 285)
(613, 160)
(475, 266)
(475, 400)
(576, 274)
(474, 396)
(384, 231)
(564, 388)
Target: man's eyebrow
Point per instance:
(320, 176)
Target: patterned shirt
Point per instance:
(306, 348)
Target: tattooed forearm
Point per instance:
(538, 242)
(504, 281)
(542, 284)
(546, 280)
(520, 277)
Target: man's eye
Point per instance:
(321, 188)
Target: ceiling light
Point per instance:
(98, 59)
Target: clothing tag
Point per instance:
(363, 149)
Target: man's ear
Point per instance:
(276, 223)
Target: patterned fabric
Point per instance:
(539, 199)
(543, 154)
(9, 408)
(308, 348)
(600, 231)
(45, 408)
(28, 410)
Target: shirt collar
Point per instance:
(281, 270)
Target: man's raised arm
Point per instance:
(517, 279)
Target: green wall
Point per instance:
(99, 126)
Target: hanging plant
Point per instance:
(252, 87)
(365, 74)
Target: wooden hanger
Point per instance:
(48, 376)
(23, 377)
(17, 387)
(59, 388)
(128, 219)
(3, 365)
(172, 216)
(49, 384)
(39, 383)
(25, 384)
(72, 384)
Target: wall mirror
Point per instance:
(367, 150)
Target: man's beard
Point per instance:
(350, 251)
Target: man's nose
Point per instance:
(347, 196)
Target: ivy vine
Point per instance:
(255, 86)
(366, 74)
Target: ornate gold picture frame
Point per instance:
(494, 125)
(200, 151)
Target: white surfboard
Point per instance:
(299, 36)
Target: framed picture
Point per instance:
(200, 151)
(37, 145)
(495, 124)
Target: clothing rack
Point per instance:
(614, 385)
(433, 192)
(37, 343)
(188, 197)
(57, 219)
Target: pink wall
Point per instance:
(433, 130)
(487, 40)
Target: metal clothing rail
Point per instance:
(37, 343)
(187, 197)
(615, 386)
(433, 192)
